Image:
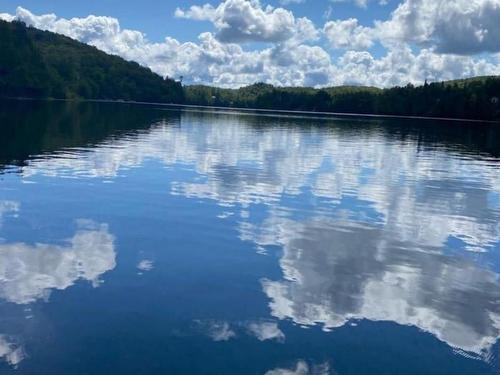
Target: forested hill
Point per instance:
(41, 64)
(476, 98)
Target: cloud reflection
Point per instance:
(30, 272)
(11, 352)
(302, 368)
(145, 266)
(444, 193)
(221, 331)
(8, 207)
(364, 219)
(264, 331)
(335, 271)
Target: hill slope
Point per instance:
(41, 64)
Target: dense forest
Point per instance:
(476, 98)
(41, 64)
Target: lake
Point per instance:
(153, 240)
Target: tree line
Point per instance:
(41, 64)
(475, 98)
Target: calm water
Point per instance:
(142, 240)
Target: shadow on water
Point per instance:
(32, 128)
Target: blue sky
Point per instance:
(284, 42)
(156, 17)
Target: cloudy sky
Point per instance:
(232, 43)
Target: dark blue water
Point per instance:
(142, 240)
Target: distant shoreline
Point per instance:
(325, 115)
(270, 111)
(336, 114)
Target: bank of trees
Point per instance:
(477, 98)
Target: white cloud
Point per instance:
(401, 66)
(238, 21)
(7, 17)
(87, 30)
(30, 272)
(458, 27)
(205, 12)
(348, 34)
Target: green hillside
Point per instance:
(41, 64)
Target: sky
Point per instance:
(232, 43)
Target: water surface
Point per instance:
(147, 240)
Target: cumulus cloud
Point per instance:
(401, 64)
(30, 272)
(239, 21)
(206, 12)
(289, 59)
(458, 27)
(348, 34)
(7, 17)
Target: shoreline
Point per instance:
(257, 111)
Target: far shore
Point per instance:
(264, 111)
